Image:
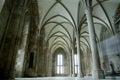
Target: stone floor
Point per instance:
(67, 78)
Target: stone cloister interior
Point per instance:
(59, 38)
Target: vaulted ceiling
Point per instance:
(62, 18)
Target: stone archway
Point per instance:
(60, 60)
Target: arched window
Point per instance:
(60, 64)
(31, 59)
(76, 63)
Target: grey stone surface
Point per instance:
(67, 78)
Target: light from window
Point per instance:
(76, 63)
(60, 69)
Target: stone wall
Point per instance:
(13, 36)
(5, 42)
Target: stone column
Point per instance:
(70, 64)
(47, 62)
(50, 64)
(97, 73)
(73, 62)
(12, 33)
(21, 50)
(31, 66)
(78, 54)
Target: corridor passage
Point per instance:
(67, 78)
(59, 39)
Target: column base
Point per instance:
(98, 74)
(30, 72)
(72, 75)
(80, 75)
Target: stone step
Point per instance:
(67, 78)
(50, 78)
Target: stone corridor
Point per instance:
(59, 39)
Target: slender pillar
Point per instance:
(73, 62)
(78, 54)
(73, 53)
(70, 63)
(49, 56)
(97, 73)
(48, 62)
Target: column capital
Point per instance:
(86, 3)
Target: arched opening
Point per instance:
(76, 64)
(31, 59)
(60, 63)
